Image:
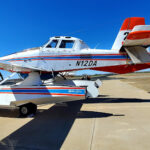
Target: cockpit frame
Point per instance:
(77, 43)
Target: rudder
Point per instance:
(126, 28)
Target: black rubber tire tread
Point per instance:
(32, 108)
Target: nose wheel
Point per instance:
(27, 109)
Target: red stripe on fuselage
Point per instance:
(42, 88)
(91, 59)
(121, 69)
(59, 94)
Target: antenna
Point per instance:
(96, 45)
(74, 32)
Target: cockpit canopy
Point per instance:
(64, 42)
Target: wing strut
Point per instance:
(8, 78)
(1, 76)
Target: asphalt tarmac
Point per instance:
(119, 119)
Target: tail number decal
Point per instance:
(126, 34)
(86, 63)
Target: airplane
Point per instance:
(41, 68)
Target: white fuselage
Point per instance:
(66, 54)
(66, 60)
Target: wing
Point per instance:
(136, 43)
(12, 67)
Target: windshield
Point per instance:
(83, 45)
(52, 44)
(66, 44)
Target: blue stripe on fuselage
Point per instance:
(71, 57)
(61, 91)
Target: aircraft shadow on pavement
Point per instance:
(9, 113)
(108, 77)
(49, 128)
(102, 99)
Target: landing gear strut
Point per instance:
(27, 109)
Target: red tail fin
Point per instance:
(130, 23)
(126, 28)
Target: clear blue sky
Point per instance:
(29, 23)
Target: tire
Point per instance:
(33, 109)
(24, 110)
(27, 109)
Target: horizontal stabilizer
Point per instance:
(140, 35)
